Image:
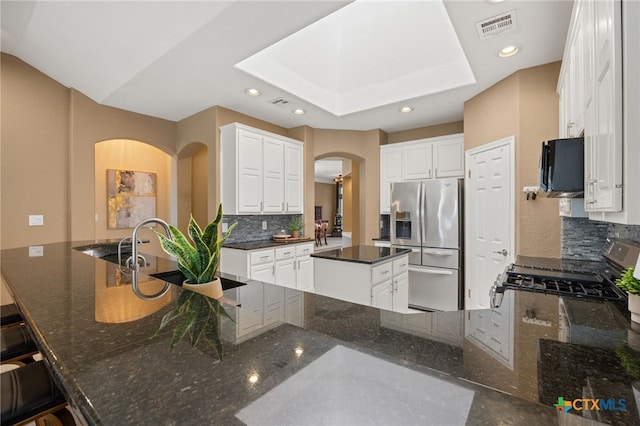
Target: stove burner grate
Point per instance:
(593, 286)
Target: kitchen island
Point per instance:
(344, 363)
(369, 275)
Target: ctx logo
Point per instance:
(590, 404)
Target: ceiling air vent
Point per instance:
(497, 25)
(279, 101)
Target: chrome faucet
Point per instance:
(133, 263)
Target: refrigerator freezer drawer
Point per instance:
(441, 258)
(434, 289)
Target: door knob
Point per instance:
(503, 252)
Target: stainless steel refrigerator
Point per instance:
(426, 216)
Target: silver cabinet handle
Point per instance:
(503, 252)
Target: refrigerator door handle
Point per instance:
(439, 252)
(431, 271)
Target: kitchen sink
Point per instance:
(177, 278)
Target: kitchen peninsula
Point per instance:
(344, 363)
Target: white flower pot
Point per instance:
(634, 307)
(211, 289)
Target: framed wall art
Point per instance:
(131, 197)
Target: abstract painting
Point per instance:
(131, 197)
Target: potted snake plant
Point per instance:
(198, 312)
(631, 285)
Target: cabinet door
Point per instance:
(304, 277)
(417, 161)
(286, 273)
(381, 295)
(293, 199)
(273, 175)
(390, 171)
(608, 128)
(448, 158)
(264, 273)
(401, 292)
(249, 172)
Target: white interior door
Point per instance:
(489, 218)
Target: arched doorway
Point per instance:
(337, 200)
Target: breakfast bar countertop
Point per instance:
(362, 254)
(318, 360)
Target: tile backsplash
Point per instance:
(250, 227)
(584, 239)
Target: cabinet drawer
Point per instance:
(400, 265)
(380, 273)
(285, 253)
(262, 256)
(304, 249)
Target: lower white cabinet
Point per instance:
(264, 306)
(383, 285)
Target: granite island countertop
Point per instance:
(362, 254)
(323, 366)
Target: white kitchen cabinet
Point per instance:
(249, 176)
(304, 267)
(599, 73)
(375, 285)
(448, 157)
(288, 266)
(261, 172)
(417, 161)
(293, 190)
(273, 175)
(285, 266)
(430, 158)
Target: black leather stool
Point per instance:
(16, 344)
(9, 314)
(29, 393)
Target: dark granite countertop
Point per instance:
(260, 244)
(327, 366)
(362, 254)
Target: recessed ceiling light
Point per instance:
(252, 92)
(299, 111)
(406, 109)
(509, 51)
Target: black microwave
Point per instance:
(562, 168)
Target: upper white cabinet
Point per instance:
(430, 158)
(599, 98)
(261, 172)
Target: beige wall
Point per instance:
(363, 149)
(35, 155)
(427, 132)
(525, 105)
(326, 197)
(90, 123)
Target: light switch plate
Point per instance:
(264, 225)
(225, 227)
(36, 220)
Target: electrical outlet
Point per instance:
(225, 227)
(36, 220)
(530, 189)
(264, 225)
(36, 251)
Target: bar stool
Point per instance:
(16, 346)
(9, 314)
(29, 394)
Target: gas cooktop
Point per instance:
(570, 281)
(562, 283)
